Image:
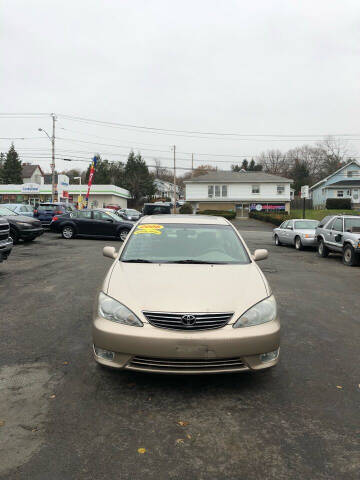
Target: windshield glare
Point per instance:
(306, 224)
(172, 243)
(350, 223)
(7, 212)
(131, 212)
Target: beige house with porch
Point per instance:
(239, 191)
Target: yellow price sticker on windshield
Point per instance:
(152, 228)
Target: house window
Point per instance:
(350, 173)
(217, 190)
(210, 191)
(348, 193)
(224, 190)
(280, 189)
(255, 189)
(340, 193)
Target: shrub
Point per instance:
(229, 214)
(274, 218)
(338, 203)
(186, 208)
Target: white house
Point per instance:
(32, 174)
(240, 191)
(344, 183)
(165, 189)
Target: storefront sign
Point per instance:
(267, 207)
(30, 188)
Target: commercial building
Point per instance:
(100, 195)
(240, 191)
(344, 183)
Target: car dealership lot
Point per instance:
(64, 417)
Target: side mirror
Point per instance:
(260, 254)
(110, 252)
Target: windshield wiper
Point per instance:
(194, 261)
(137, 260)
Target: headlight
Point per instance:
(263, 312)
(117, 312)
(23, 224)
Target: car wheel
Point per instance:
(14, 235)
(350, 258)
(277, 241)
(298, 244)
(323, 251)
(123, 234)
(68, 232)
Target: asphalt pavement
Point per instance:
(63, 417)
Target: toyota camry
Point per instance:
(224, 319)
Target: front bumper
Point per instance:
(30, 233)
(5, 248)
(153, 349)
(309, 242)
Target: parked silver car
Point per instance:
(20, 208)
(299, 232)
(340, 234)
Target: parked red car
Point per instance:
(113, 207)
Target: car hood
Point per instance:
(21, 218)
(186, 288)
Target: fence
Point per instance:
(297, 203)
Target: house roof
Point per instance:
(225, 176)
(28, 170)
(337, 171)
(341, 183)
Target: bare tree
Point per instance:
(335, 154)
(275, 162)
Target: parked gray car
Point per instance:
(340, 234)
(299, 232)
(20, 208)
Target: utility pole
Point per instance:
(174, 179)
(192, 165)
(53, 158)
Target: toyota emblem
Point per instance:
(188, 320)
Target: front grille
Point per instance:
(4, 226)
(187, 365)
(177, 321)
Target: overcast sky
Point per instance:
(261, 67)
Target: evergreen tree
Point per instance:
(244, 165)
(11, 170)
(137, 178)
(300, 174)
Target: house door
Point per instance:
(242, 210)
(355, 195)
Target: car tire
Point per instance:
(14, 235)
(323, 251)
(123, 234)
(68, 232)
(350, 259)
(298, 244)
(277, 241)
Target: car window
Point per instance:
(352, 225)
(98, 215)
(329, 225)
(7, 212)
(284, 225)
(289, 226)
(306, 224)
(185, 243)
(84, 214)
(324, 221)
(338, 225)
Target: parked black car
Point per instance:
(21, 227)
(91, 223)
(46, 211)
(6, 242)
(156, 208)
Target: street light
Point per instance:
(52, 165)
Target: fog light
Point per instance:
(270, 356)
(105, 354)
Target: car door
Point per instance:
(289, 232)
(83, 221)
(282, 231)
(103, 224)
(338, 234)
(328, 232)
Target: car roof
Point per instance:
(189, 219)
(306, 219)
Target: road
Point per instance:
(63, 417)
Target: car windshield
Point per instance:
(351, 223)
(131, 212)
(185, 243)
(112, 215)
(49, 206)
(306, 224)
(7, 212)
